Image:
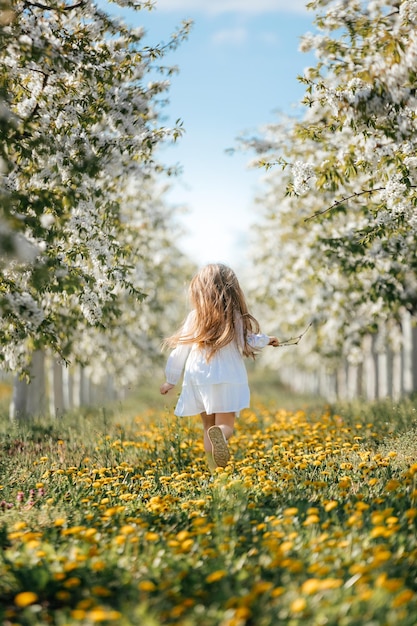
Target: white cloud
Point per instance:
(231, 36)
(269, 38)
(214, 7)
(237, 36)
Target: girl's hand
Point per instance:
(273, 341)
(165, 388)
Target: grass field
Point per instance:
(113, 517)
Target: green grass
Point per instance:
(111, 516)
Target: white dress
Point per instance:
(219, 385)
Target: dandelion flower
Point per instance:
(25, 598)
(215, 576)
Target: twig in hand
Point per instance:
(293, 341)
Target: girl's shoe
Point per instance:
(221, 453)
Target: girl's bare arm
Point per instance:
(165, 388)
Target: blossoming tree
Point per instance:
(339, 231)
(84, 123)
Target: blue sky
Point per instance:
(237, 69)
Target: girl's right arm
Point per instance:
(176, 360)
(165, 388)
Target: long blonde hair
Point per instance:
(219, 302)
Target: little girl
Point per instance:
(209, 347)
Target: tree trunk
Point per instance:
(369, 369)
(56, 404)
(352, 381)
(76, 387)
(341, 382)
(18, 404)
(36, 400)
(396, 375)
(85, 397)
(28, 398)
(408, 350)
(414, 365)
(382, 375)
(67, 388)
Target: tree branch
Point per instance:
(338, 202)
(293, 341)
(44, 7)
(353, 195)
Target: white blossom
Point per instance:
(303, 177)
(46, 220)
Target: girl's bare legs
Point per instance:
(208, 422)
(215, 441)
(226, 421)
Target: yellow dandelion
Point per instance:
(392, 485)
(72, 582)
(262, 586)
(102, 615)
(291, 512)
(298, 605)
(377, 519)
(78, 614)
(187, 545)
(182, 535)
(330, 583)
(392, 584)
(310, 586)
(86, 603)
(120, 540)
(177, 611)
(344, 482)
(113, 615)
(62, 595)
(404, 597)
(277, 591)
(100, 591)
(215, 576)
(379, 531)
(146, 585)
(243, 613)
(381, 556)
(25, 598)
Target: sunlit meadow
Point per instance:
(108, 518)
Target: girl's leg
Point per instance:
(226, 421)
(208, 422)
(218, 436)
